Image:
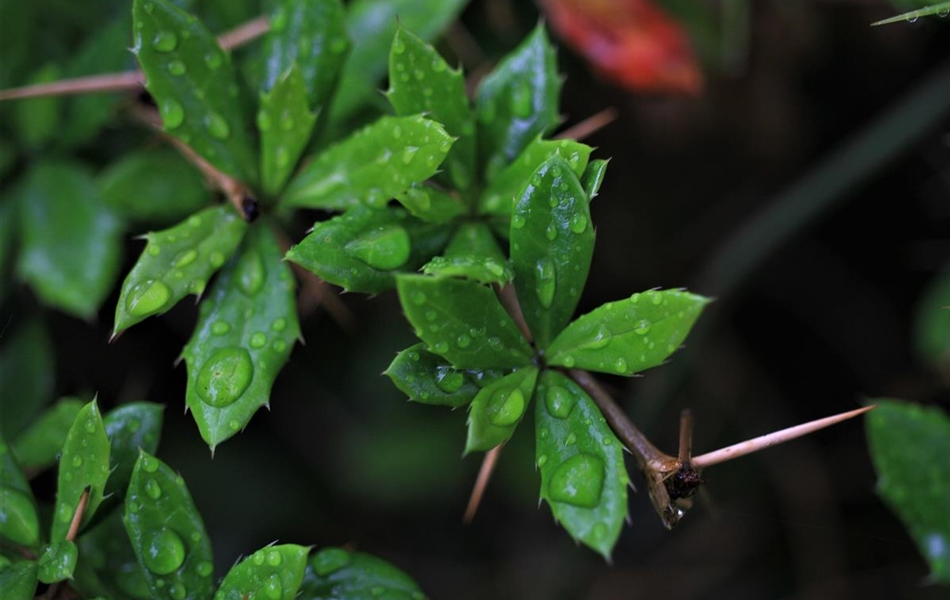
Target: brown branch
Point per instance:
(686, 437)
(481, 483)
(77, 516)
(588, 126)
(244, 33)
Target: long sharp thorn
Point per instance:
(481, 482)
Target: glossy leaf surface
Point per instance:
(274, 572)
(193, 82)
(131, 427)
(594, 176)
(628, 336)
(312, 35)
(39, 445)
(463, 322)
(335, 574)
(70, 241)
(245, 332)
(517, 102)
(108, 567)
(371, 166)
(57, 561)
(498, 408)
(18, 581)
(552, 242)
(285, 122)
(178, 261)
(420, 81)
(26, 375)
(909, 444)
(430, 379)
(430, 204)
(472, 254)
(167, 534)
(583, 477)
(18, 518)
(83, 464)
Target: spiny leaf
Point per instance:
(83, 464)
(26, 375)
(18, 518)
(18, 581)
(371, 166)
(472, 254)
(941, 10)
(247, 328)
(57, 561)
(909, 444)
(517, 102)
(167, 533)
(498, 408)
(583, 477)
(70, 241)
(285, 123)
(552, 242)
(39, 445)
(420, 81)
(274, 572)
(335, 573)
(429, 204)
(628, 336)
(177, 262)
(430, 379)
(193, 82)
(132, 427)
(594, 176)
(463, 322)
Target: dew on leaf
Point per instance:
(234, 425)
(508, 406)
(578, 223)
(518, 221)
(149, 464)
(220, 327)
(463, 341)
(185, 258)
(216, 259)
(559, 402)
(147, 298)
(384, 248)
(642, 327)
(204, 569)
(214, 60)
(550, 232)
(263, 121)
(251, 273)
(165, 552)
(258, 340)
(408, 153)
(272, 588)
(176, 67)
(521, 104)
(165, 41)
(546, 282)
(440, 347)
(173, 114)
(153, 489)
(279, 346)
(225, 376)
(542, 460)
(177, 591)
(279, 324)
(579, 480)
(217, 126)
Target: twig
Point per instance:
(588, 126)
(244, 33)
(686, 437)
(77, 516)
(481, 483)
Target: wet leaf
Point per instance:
(193, 82)
(312, 35)
(38, 119)
(371, 166)
(177, 262)
(430, 379)
(18, 581)
(246, 330)
(361, 249)
(909, 444)
(472, 254)
(335, 573)
(552, 242)
(131, 427)
(498, 408)
(463, 322)
(932, 323)
(429, 204)
(71, 243)
(83, 464)
(285, 122)
(108, 566)
(274, 572)
(26, 375)
(517, 102)
(420, 81)
(594, 176)
(57, 561)
(18, 518)
(39, 445)
(628, 336)
(583, 477)
(167, 534)
(940, 9)
(155, 186)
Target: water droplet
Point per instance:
(518, 221)
(251, 272)
(153, 489)
(154, 249)
(579, 481)
(217, 126)
(279, 346)
(440, 348)
(912, 18)
(642, 327)
(279, 324)
(578, 223)
(384, 248)
(263, 120)
(287, 121)
(173, 114)
(273, 558)
(176, 67)
(449, 380)
(204, 569)
(258, 558)
(234, 425)
(258, 340)
(220, 327)
(463, 341)
(418, 298)
(568, 361)
(507, 407)
(542, 460)
(656, 298)
(177, 591)
(149, 464)
(214, 60)
(601, 339)
(419, 74)
(571, 439)
(147, 298)
(620, 365)
(165, 41)
(521, 100)
(272, 588)
(550, 232)
(282, 157)
(559, 402)
(398, 46)
(216, 259)
(547, 282)
(164, 552)
(185, 258)
(408, 153)
(225, 376)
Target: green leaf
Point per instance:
(360, 250)
(552, 242)
(430, 379)
(371, 166)
(909, 444)
(932, 323)
(583, 477)
(71, 243)
(335, 573)
(177, 262)
(57, 561)
(193, 82)
(167, 533)
(37, 119)
(472, 254)
(285, 123)
(594, 176)
(429, 204)
(506, 188)
(940, 9)
(373, 23)
(628, 336)
(108, 566)
(312, 35)
(18, 519)
(463, 322)
(274, 572)
(517, 102)
(498, 408)
(39, 445)
(18, 581)
(245, 332)
(155, 186)
(26, 376)
(132, 427)
(83, 464)
(420, 81)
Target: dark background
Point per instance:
(820, 321)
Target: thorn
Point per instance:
(481, 483)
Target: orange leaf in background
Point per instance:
(630, 42)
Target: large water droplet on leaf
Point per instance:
(176, 67)
(272, 588)
(173, 114)
(578, 223)
(449, 380)
(547, 282)
(250, 273)
(147, 298)
(384, 248)
(579, 480)
(214, 60)
(217, 126)
(164, 553)
(507, 407)
(559, 402)
(165, 41)
(225, 376)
